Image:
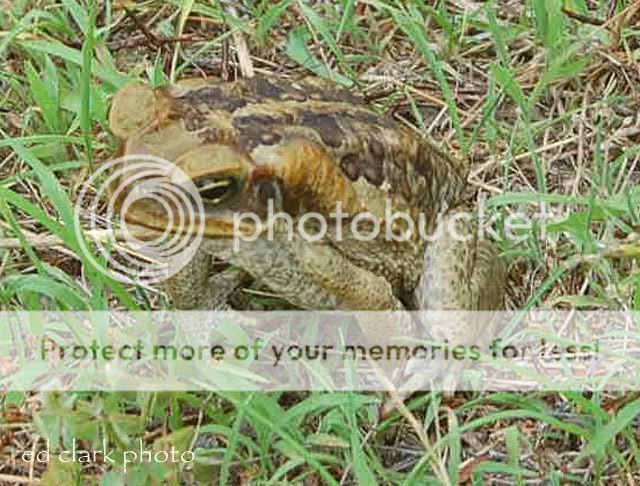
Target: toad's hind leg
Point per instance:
(461, 273)
(314, 276)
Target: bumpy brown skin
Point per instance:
(314, 145)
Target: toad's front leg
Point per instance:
(314, 276)
(199, 285)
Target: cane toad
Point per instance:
(305, 146)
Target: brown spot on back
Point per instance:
(262, 120)
(322, 90)
(326, 125)
(373, 171)
(377, 149)
(254, 130)
(373, 165)
(215, 98)
(350, 165)
(264, 88)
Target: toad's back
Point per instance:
(370, 150)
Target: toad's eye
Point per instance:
(214, 191)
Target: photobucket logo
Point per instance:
(396, 226)
(133, 254)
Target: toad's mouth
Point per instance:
(211, 223)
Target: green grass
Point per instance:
(543, 78)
